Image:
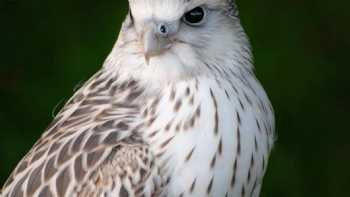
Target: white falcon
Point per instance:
(175, 111)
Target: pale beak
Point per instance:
(155, 41)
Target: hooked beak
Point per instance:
(155, 41)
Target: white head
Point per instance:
(171, 40)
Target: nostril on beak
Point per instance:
(163, 30)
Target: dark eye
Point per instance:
(195, 17)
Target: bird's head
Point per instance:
(176, 39)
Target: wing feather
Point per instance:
(91, 148)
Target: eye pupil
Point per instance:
(194, 16)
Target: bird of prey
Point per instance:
(175, 111)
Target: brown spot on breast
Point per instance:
(193, 185)
(178, 126)
(192, 121)
(189, 155)
(249, 175)
(238, 141)
(216, 115)
(227, 94)
(168, 180)
(210, 186)
(172, 94)
(177, 105)
(258, 124)
(145, 113)
(234, 88)
(233, 178)
(150, 121)
(243, 191)
(252, 161)
(248, 99)
(152, 134)
(168, 126)
(240, 102)
(166, 142)
(213, 161)
(220, 147)
(198, 111)
(196, 84)
(155, 103)
(192, 100)
(160, 154)
(238, 118)
(188, 91)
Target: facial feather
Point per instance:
(194, 50)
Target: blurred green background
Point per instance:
(302, 58)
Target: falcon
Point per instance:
(175, 111)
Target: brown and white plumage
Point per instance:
(186, 119)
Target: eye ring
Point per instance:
(195, 17)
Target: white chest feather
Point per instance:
(211, 138)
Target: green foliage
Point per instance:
(301, 50)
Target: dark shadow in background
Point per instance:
(302, 58)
